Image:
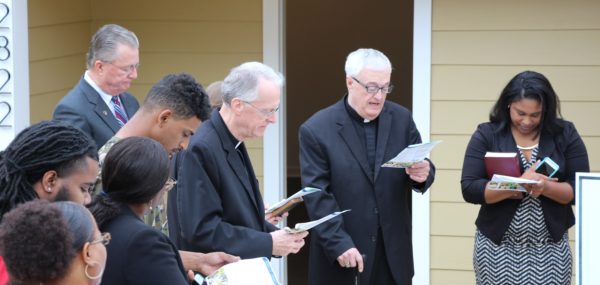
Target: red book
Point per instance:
(503, 163)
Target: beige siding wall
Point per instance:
(477, 46)
(202, 37)
(58, 40)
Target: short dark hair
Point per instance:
(529, 85)
(180, 93)
(45, 146)
(39, 240)
(134, 171)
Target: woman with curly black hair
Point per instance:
(52, 243)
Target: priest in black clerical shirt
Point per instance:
(342, 148)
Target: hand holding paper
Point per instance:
(419, 171)
(255, 271)
(285, 242)
(275, 219)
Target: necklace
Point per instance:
(527, 147)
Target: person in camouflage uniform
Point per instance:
(173, 109)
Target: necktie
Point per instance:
(119, 112)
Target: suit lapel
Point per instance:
(107, 116)
(546, 146)
(100, 108)
(128, 105)
(383, 132)
(350, 137)
(233, 158)
(507, 143)
(236, 163)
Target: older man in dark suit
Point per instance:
(219, 205)
(99, 104)
(342, 148)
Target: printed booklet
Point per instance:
(286, 205)
(300, 227)
(501, 182)
(254, 271)
(411, 154)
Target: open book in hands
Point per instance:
(501, 182)
(255, 271)
(286, 205)
(411, 154)
(300, 227)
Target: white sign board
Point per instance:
(14, 70)
(587, 213)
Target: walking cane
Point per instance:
(357, 273)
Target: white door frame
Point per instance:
(274, 142)
(421, 114)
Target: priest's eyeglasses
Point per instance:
(373, 89)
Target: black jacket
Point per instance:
(333, 157)
(218, 206)
(566, 149)
(84, 108)
(139, 254)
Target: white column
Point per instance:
(274, 141)
(421, 114)
(14, 70)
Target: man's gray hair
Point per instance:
(105, 41)
(366, 58)
(242, 81)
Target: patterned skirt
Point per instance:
(526, 255)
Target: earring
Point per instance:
(92, 277)
(49, 190)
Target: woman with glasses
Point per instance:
(134, 176)
(52, 243)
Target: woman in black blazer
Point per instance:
(133, 177)
(522, 238)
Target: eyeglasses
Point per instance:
(127, 69)
(266, 113)
(373, 89)
(104, 239)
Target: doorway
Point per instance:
(318, 37)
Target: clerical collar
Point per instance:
(230, 135)
(354, 115)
